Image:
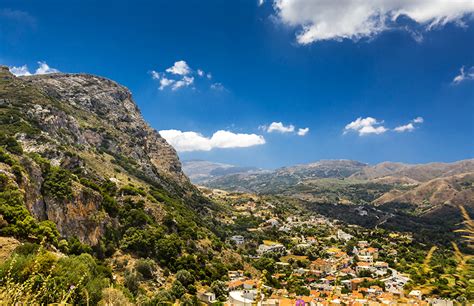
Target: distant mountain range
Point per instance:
(201, 171)
(427, 186)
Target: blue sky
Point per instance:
(299, 64)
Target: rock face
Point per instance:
(119, 126)
(87, 124)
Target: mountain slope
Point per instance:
(85, 152)
(429, 196)
(421, 173)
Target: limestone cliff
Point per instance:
(90, 127)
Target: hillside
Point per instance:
(82, 174)
(429, 196)
(428, 186)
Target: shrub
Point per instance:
(58, 184)
(11, 144)
(145, 267)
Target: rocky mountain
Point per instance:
(95, 195)
(201, 171)
(73, 135)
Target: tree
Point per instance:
(220, 290)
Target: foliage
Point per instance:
(58, 183)
(19, 221)
(42, 277)
(11, 144)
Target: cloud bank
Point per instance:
(193, 141)
(320, 20)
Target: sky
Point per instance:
(270, 83)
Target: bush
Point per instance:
(11, 144)
(145, 267)
(58, 184)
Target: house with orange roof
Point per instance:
(374, 252)
(363, 266)
(323, 265)
(235, 284)
(287, 302)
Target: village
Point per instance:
(312, 260)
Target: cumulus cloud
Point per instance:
(178, 76)
(365, 126)
(409, 126)
(179, 68)
(193, 141)
(348, 19)
(464, 75)
(43, 68)
(405, 128)
(303, 132)
(20, 71)
(165, 82)
(184, 82)
(280, 128)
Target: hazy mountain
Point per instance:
(201, 171)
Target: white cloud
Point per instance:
(180, 75)
(193, 141)
(355, 19)
(409, 126)
(404, 128)
(303, 132)
(365, 126)
(260, 2)
(179, 68)
(280, 128)
(464, 75)
(155, 75)
(418, 120)
(20, 71)
(165, 82)
(184, 82)
(43, 68)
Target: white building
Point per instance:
(341, 235)
(242, 297)
(207, 297)
(273, 248)
(238, 239)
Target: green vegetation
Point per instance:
(58, 183)
(43, 277)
